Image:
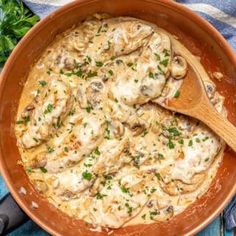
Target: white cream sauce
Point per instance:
(91, 140)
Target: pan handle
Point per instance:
(11, 215)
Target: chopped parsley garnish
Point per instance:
(89, 108)
(110, 72)
(198, 140)
(164, 62)
(86, 175)
(48, 109)
(207, 159)
(158, 176)
(91, 74)
(153, 190)
(78, 73)
(204, 139)
(158, 57)
(144, 133)
(89, 58)
(130, 64)
(177, 93)
(49, 71)
(144, 216)
(151, 75)
(108, 132)
(99, 64)
(160, 157)
(36, 140)
(170, 144)
(72, 112)
(181, 141)
(100, 196)
(43, 169)
(153, 213)
(66, 149)
(50, 149)
(124, 189)
(173, 131)
(24, 120)
(29, 170)
(190, 143)
(99, 29)
(96, 151)
(160, 70)
(42, 83)
(137, 160)
(166, 52)
(130, 209)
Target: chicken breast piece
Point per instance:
(51, 107)
(81, 142)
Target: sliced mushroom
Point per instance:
(40, 186)
(69, 63)
(65, 62)
(146, 90)
(178, 67)
(27, 111)
(176, 187)
(38, 161)
(94, 92)
(117, 128)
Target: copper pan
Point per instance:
(195, 33)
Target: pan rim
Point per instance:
(203, 24)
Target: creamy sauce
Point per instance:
(93, 138)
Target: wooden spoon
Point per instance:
(193, 101)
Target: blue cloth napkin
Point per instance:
(220, 13)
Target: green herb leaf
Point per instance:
(15, 21)
(166, 52)
(42, 83)
(89, 108)
(48, 109)
(151, 75)
(100, 196)
(110, 72)
(91, 74)
(97, 152)
(158, 176)
(86, 175)
(177, 93)
(170, 144)
(50, 149)
(158, 57)
(160, 157)
(165, 62)
(173, 131)
(130, 64)
(144, 133)
(190, 143)
(43, 169)
(124, 189)
(99, 64)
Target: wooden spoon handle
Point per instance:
(221, 126)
